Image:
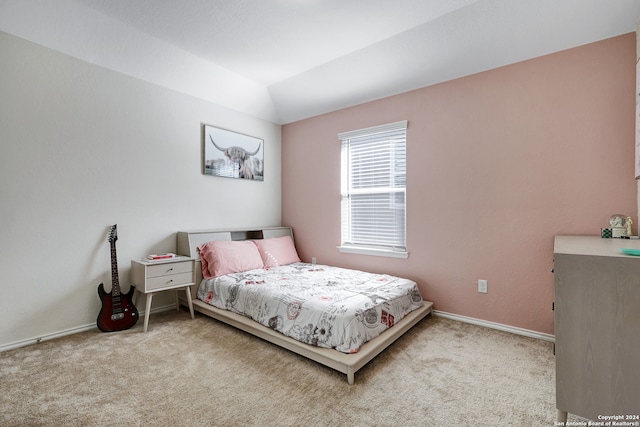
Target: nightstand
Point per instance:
(150, 277)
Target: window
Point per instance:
(373, 181)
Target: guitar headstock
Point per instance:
(113, 234)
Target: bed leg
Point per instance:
(351, 377)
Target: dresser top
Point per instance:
(594, 245)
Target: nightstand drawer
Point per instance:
(169, 280)
(169, 268)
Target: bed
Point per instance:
(349, 353)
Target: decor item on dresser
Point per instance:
(231, 154)
(619, 226)
(118, 311)
(597, 295)
(255, 281)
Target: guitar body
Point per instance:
(117, 313)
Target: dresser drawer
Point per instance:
(169, 268)
(169, 281)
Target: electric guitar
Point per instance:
(117, 312)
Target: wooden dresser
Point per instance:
(597, 327)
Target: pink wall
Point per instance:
(498, 163)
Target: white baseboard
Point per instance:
(458, 317)
(493, 325)
(46, 337)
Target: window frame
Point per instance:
(371, 249)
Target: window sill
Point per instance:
(375, 252)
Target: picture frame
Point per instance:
(231, 154)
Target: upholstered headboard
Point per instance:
(189, 241)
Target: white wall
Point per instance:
(82, 148)
(79, 31)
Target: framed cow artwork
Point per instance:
(232, 154)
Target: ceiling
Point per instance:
(316, 56)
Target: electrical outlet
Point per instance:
(482, 286)
(313, 260)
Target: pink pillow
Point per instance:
(224, 257)
(277, 251)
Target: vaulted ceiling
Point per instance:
(285, 60)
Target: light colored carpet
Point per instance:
(200, 372)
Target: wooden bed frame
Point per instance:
(188, 242)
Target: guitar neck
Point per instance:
(115, 285)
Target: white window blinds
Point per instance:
(374, 179)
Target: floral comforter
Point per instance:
(317, 304)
